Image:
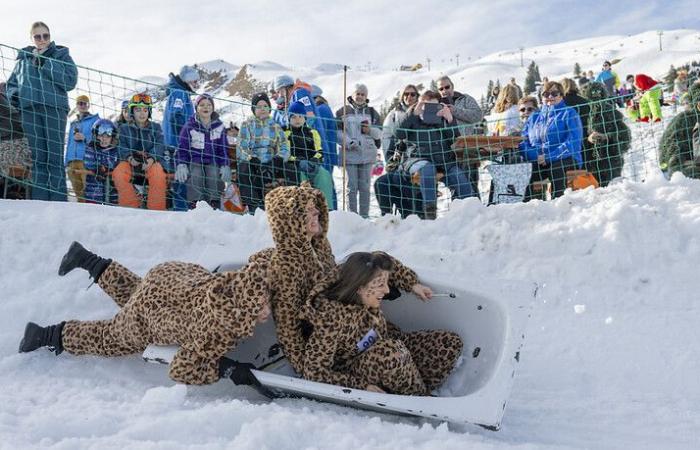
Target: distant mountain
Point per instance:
(637, 54)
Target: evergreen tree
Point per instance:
(433, 86)
(489, 90)
(387, 106)
(577, 70)
(670, 78)
(532, 77)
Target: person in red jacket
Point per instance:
(649, 92)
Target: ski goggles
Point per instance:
(141, 99)
(106, 129)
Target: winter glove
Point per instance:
(239, 373)
(254, 160)
(292, 158)
(181, 173)
(318, 157)
(393, 293)
(225, 172)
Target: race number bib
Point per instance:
(367, 341)
(196, 140)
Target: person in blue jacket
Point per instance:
(178, 110)
(327, 118)
(552, 140)
(38, 87)
(79, 136)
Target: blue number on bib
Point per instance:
(367, 341)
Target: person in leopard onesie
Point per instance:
(302, 258)
(353, 345)
(176, 303)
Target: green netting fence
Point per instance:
(49, 151)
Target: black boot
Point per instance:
(36, 337)
(78, 256)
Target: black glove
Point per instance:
(401, 147)
(393, 294)
(239, 373)
(254, 160)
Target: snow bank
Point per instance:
(609, 362)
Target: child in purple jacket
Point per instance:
(202, 158)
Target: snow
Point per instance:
(626, 252)
(609, 360)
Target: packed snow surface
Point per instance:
(610, 359)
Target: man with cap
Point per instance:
(178, 110)
(262, 153)
(79, 135)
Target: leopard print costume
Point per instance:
(400, 363)
(297, 261)
(297, 264)
(175, 303)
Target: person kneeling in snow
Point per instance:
(353, 345)
(205, 313)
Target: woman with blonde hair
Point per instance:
(505, 120)
(38, 87)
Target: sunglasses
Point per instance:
(551, 94)
(528, 109)
(42, 37)
(444, 88)
(410, 94)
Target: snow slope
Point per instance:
(638, 54)
(609, 361)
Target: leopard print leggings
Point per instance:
(413, 365)
(124, 334)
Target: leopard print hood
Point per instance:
(285, 207)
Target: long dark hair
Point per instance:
(357, 270)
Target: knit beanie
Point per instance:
(297, 108)
(256, 99)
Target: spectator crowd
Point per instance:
(569, 132)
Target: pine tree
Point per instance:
(433, 86)
(577, 70)
(387, 106)
(670, 78)
(532, 77)
(489, 90)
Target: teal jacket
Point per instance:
(42, 80)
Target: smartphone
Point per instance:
(430, 111)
